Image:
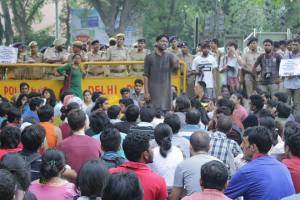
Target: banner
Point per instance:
(8, 55)
(289, 67)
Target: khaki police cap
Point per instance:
(32, 43)
(77, 43)
(120, 35)
(59, 41)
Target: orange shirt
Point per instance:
(50, 134)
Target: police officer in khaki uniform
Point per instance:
(76, 49)
(56, 53)
(138, 54)
(188, 58)
(34, 56)
(174, 47)
(118, 53)
(93, 56)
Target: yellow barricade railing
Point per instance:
(10, 86)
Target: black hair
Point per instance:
(132, 113)
(9, 137)
(257, 101)
(92, 178)
(239, 97)
(99, 103)
(200, 141)
(135, 144)
(110, 139)
(269, 123)
(282, 96)
(182, 104)
(13, 114)
(216, 41)
(147, 113)
(250, 121)
(52, 100)
(193, 116)
(32, 137)
(19, 169)
(126, 102)
(24, 84)
(296, 40)
(283, 110)
(113, 111)
(223, 110)
(161, 36)
(292, 139)
(139, 81)
(45, 113)
(76, 119)
(227, 103)
(112, 42)
(232, 44)
(224, 124)
(4, 108)
(95, 96)
(123, 186)
(261, 137)
(7, 185)
(163, 137)
(264, 113)
(202, 84)
(204, 45)
(173, 121)
(214, 175)
(269, 41)
(35, 102)
(98, 121)
(34, 95)
(276, 44)
(85, 91)
(19, 100)
(65, 110)
(53, 161)
(124, 90)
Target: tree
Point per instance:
(8, 33)
(118, 14)
(25, 12)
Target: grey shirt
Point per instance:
(187, 173)
(158, 69)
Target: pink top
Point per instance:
(49, 192)
(207, 194)
(239, 115)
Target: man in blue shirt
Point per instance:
(263, 178)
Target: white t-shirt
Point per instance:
(166, 167)
(208, 64)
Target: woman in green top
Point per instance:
(76, 75)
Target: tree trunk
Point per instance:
(1, 31)
(8, 34)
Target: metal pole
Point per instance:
(196, 33)
(56, 19)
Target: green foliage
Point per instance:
(42, 37)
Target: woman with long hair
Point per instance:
(75, 73)
(50, 97)
(166, 156)
(239, 113)
(50, 185)
(101, 104)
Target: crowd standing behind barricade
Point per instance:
(234, 134)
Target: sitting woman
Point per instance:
(51, 185)
(91, 180)
(166, 156)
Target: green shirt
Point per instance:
(76, 78)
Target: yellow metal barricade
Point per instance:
(109, 86)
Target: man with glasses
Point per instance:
(292, 83)
(158, 68)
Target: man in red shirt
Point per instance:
(138, 152)
(79, 147)
(292, 147)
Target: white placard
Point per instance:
(8, 55)
(289, 67)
